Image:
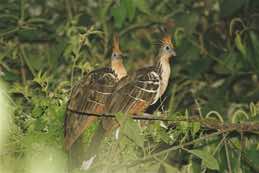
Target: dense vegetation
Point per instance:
(46, 46)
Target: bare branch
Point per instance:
(209, 123)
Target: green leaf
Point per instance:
(170, 168)
(152, 168)
(187, 21)
(36, 62)
(240, 45)
(184, 126)
(255, 42)
(131, 8)
(195, 166)
(232, 60)
(229, 7)
(198, 67)
(142, 5)
(131, 129)
(195, 127)
(121, 118)
(55, 53)
(255, 45)
(119, 13)
(253, 153)
(10, 76)
(207, 159)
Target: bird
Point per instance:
(90, 95)
(136, 92)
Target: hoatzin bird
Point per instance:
(136, 92)
(90, 95)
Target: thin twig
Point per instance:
(227, 155)
(9, 31)
(134, 163)
(23, 71)
(10, 16)
(22, 9)
(139, 161)
(69, 10)
(105, 26)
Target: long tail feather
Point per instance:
(96, 142)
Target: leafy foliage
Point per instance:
(46, 46)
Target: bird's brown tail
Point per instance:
(96, 142)
(76, 154)
(82, 122)
(79, 153)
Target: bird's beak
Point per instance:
(124, 55)
(173, 52)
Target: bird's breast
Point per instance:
(165, 75)
(119, 69)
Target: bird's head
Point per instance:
(167, 49)
(117, 58)
(116, 52)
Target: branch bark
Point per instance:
(209, 123)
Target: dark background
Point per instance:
(46, 46)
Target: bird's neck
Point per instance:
(164, 70)
(118, 67)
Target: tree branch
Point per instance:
(209, 123)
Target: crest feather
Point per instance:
(116, 43)
(167, 39)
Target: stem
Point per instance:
(134, 163)
(69, 11)
(139, 161)
(227, 155)
(9, 16)
(22, 9)
(38, 20)
(23, 72)
(9, 32)
(72, 73)
(105, 26)
(27, 61)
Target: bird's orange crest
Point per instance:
(116, 43)
(167, 40)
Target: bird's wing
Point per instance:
(89, 95)
(135, 93)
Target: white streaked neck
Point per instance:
(165, 71)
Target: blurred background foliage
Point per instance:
(46, 46)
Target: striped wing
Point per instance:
(89, 95)
(134, 94)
